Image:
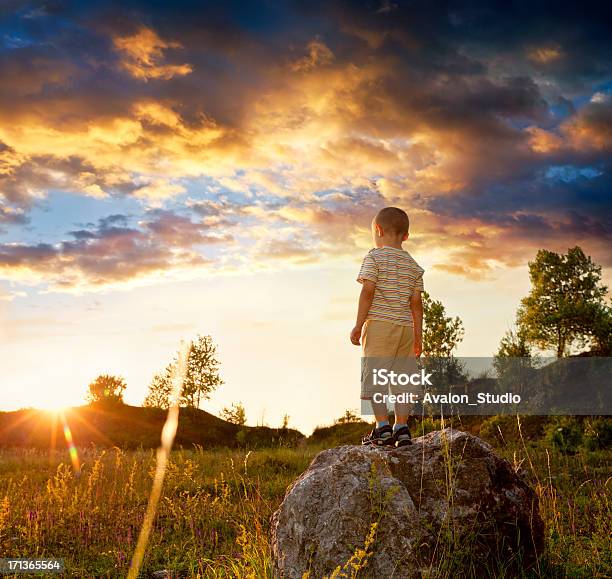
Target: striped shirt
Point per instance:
(397, 276)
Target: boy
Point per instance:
(389, 316)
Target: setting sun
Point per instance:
(54, 408)
(57, 403)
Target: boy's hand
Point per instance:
(418, 346)
(356, 335)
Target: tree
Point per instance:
(202, 375)
(514, 345)
(602, 331)
(160, 390)
(441, 333)
(236, 414)
(349, 417)
(566, 304)
(106, 388)
(514, 362)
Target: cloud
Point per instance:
(158, 190)
(24, 179)
(12, 216)
(591, 128)
(143, 54)
(302, 129)
(289, 251)
(111, 252)
(545, 54)
(318, 55)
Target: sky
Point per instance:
(174, 169)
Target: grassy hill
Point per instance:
(131, 427)
(128, 426)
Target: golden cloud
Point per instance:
(142, 56)
(543, 141)
(318, 55)
(158, 190)
(591, 129)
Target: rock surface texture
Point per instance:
(444, 504)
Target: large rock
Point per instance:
(445, 503)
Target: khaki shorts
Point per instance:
(382, 343)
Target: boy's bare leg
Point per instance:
(381, 412)
(402, 411)
(400, 428)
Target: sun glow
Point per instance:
(54, 409)
(54, 406)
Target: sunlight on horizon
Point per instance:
(289, 355)
(56, 405)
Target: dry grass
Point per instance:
(213, 517)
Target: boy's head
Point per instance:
(390, 226)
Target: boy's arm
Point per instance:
(416, 307)
(365, 301)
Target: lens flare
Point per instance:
(163, 455)
(72, 451)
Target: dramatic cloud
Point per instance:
(287, 127)
(111, 252)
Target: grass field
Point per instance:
(213, 518)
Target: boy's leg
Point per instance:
(382, 434)
(403, 409)
(377, 342)
(375, 345)
(380, 411)
(402, 412)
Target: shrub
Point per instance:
(597, 433)
(504, 429)
(565, 433)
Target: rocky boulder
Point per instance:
(444, 504)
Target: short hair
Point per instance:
(394, 220)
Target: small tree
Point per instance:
(441, 333)
(106, 388)
(201, 377)
(160, 390)
(348, 417)
(513, 345)
(202, 372)
(566, 304)
(514, 362)
(235, 414)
